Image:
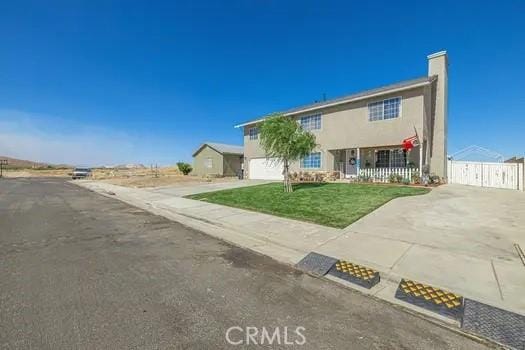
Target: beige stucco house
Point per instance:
(217, 159)
(363, 132)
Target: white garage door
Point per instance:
(265, 169)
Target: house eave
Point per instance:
(215, 149)
(344, 101)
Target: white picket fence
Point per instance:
(486, 174)
(383, 174)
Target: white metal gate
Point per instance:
(485, 174)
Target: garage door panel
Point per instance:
(265, 169)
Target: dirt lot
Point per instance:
(138, 178)
(100, 174)
(147, 177)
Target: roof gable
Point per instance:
(221, 148)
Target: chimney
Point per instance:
(438, 66)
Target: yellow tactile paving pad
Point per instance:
(361, 275)
(428, 293)
(358, 271)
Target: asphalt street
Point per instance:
(83, 271)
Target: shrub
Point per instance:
(305, 176)
(392, 178)
(184, 168)
(313, 176)
(434, 179)
(395, 178)
(416, 178)
(364, 178)
(406, 181)
(411, 165)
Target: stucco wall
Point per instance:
(347, 126)
(199, 162)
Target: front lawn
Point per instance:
(336, 205)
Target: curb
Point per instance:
(482, 320)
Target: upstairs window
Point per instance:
(375, 111)
(311, 122)
(254, 133)
(311, 161)
(386, 109)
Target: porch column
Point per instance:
(358, 161)
(420, 160)
(346, 162)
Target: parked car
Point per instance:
(81, 173)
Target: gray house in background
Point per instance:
(217, 159)
(364, 133)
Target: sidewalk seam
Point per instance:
(497, 280)
(401, 257)
(329, 240)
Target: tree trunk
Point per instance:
(286, 173)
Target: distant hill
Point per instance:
(22, 163)
(14, 163)
(130, 166)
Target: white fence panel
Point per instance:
(521, 178)
(383, 174)
(485, 174)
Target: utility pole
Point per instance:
(2, 163)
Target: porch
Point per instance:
(378, 163)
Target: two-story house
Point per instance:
(366, 130)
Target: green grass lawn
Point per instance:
(336, 205)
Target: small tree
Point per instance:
(283, 138)
(184, 168)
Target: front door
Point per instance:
(351, 162)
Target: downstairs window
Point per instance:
(311, 161)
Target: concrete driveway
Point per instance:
(185, 190)
(458, 237)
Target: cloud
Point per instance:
(55, 140)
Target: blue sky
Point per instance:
(146, 81)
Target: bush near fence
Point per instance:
(392, 175)
(314, 176)
(405, 176)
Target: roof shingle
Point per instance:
(222, 148)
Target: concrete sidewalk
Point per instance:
(464, 270)
(283, 239)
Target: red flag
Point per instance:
(410, 142)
